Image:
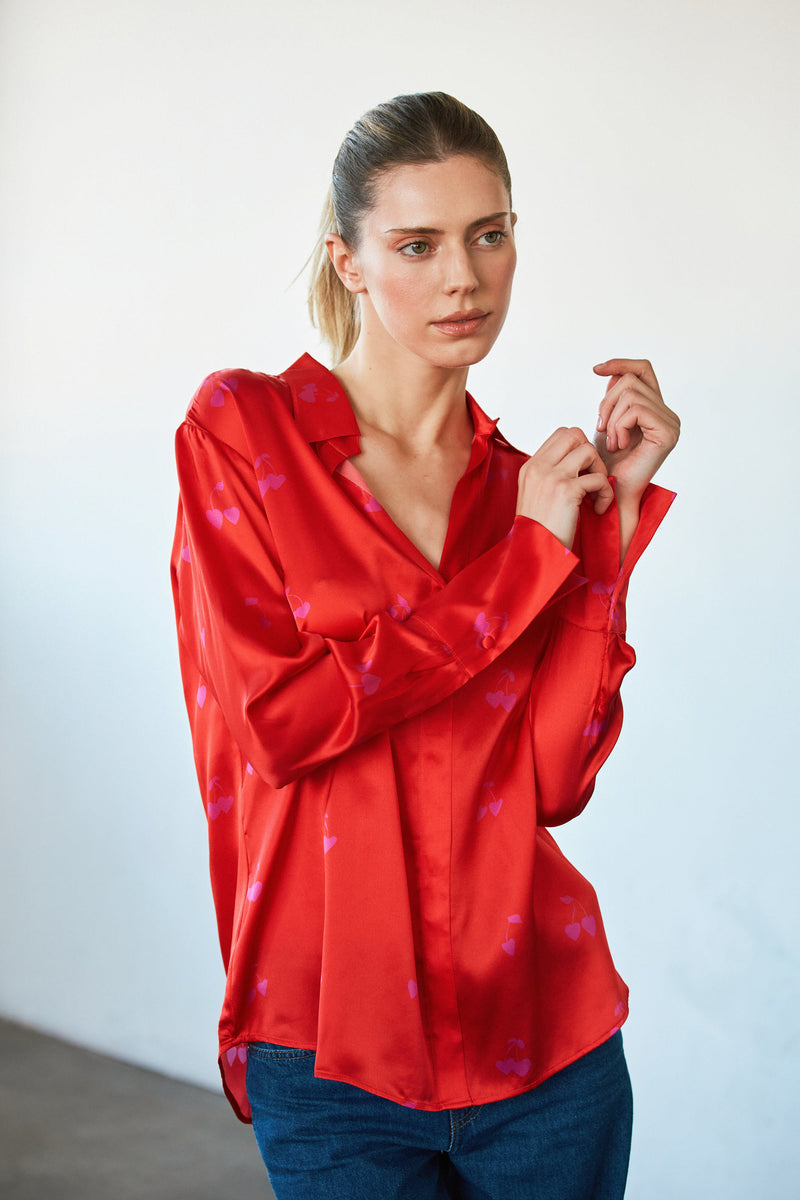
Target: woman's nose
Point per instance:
(459, 272)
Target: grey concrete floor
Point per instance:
(79, 1126)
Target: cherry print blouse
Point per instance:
(382, 745)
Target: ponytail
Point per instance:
(332, 308)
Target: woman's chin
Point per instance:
(458, 355)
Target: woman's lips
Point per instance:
(462, 324)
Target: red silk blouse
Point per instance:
(382, 745)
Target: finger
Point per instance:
(618, 386)
(582, 460)
(656, 423)
(596, 483)
(628, 414)
(628, 389)
(619, 434)
(611, 383)
(642, 367)
(559, 444)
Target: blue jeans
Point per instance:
(567, 1139)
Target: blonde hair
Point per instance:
(419, 128)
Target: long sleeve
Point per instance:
(294, 698)
(576, 709)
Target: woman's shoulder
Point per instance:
(303, 404)
(234, 389)
(235, 405)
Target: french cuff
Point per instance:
(600, 603)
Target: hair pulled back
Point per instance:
(419, 128)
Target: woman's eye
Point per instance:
(414, 249)
(493, 237)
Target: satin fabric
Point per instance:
(381, 746)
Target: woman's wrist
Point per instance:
(628, 511)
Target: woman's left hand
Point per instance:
(635, 431)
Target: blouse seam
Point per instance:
(605, 628)
(438, 637)
(189, 423)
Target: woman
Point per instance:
(402, 643)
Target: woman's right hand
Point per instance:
(554, 481)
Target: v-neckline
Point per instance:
(348, 470)
(483, 430)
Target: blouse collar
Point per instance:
(323, 412)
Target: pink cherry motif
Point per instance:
(619, 1013)
(595, 728)
(201, 695)
(412, 988)
(186, 554)
(311, 393)
(218, 395)
(328, 842)
(236, 1053)
(267, 476)
(220, 803)
(488, 628)
(370, 683)
(502, 473)
(510, 944)
(213, 513)
(300, 608)
(260, 989)
(254, 891)
(512, 1061)
(587, 922)
(215, 807)
(492, 804)
(271, 481)
(502, 696)
(254, 602)
(400, 610)
(372, 505)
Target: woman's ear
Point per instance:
(344, 262)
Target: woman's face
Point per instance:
(435, 260)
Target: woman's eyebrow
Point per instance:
(428, 229)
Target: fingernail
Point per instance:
(599, 424)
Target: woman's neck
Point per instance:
(414, 402)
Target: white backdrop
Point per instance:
(163, 169)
